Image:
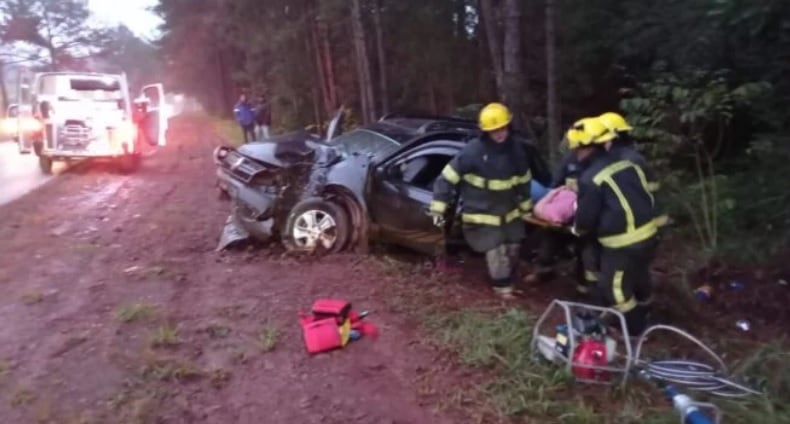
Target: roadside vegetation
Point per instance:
(495, 340)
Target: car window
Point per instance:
(422, 171)
(365, 142)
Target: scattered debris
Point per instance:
(743, 325)
(233, 234)
(703, 292)
(132, 269)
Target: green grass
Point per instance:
(228, 130)
(268, 337)
(22, 397)
(171, 370)
(498, 341)
(165, 336)
(134, 312)
(32, 297)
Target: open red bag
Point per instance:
(330, 324)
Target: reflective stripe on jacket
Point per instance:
(492, 180)
(614, 202)
(626, 151)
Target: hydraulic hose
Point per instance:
(694, 375)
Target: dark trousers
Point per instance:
(586, 250)
(249, 132)
(588, 266)
(625, 283)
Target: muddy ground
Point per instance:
(117, 309)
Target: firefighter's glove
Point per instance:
(438, 219)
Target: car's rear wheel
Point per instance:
(317, 225)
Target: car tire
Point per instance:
(317, 225)
(128, 164)
(45, 163)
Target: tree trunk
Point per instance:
(383, 86)
(363, 64)
(319, 63)
(552, 106)
(494, 37)
(513, 77)
(329, 66)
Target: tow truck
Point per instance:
(87, 115)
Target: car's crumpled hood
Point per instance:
(287, 150)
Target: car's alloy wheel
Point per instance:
(317, 225)
(314, 228)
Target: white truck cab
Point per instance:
(90, 115)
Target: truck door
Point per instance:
(154, 126)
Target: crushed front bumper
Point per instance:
(253, 207)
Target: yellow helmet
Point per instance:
(586, 132)
(494, 116)
(615, 122)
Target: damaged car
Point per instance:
(339, 191)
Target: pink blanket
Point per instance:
(557, 206)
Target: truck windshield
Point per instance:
(93, 89)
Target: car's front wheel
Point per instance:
(317, 225)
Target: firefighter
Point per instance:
(620, 143)
(616, 207)
(492, 177)
(567, 174)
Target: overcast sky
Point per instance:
(131, 13)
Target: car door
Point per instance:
(401, 193)
(155, 123)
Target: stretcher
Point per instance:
(534, 220)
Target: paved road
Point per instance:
(19, 174)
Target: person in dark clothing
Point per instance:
(263, 118)
(585, 249)
(616, 207)
(621, 144)
(245, 117)
(492, 176)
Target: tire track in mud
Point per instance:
(165, 221)
(50, 333)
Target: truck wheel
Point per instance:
(317, 225)
(129, 164)
(45, 163)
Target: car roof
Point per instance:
(403, 128)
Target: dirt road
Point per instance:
(19, 174)
(116, 309)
